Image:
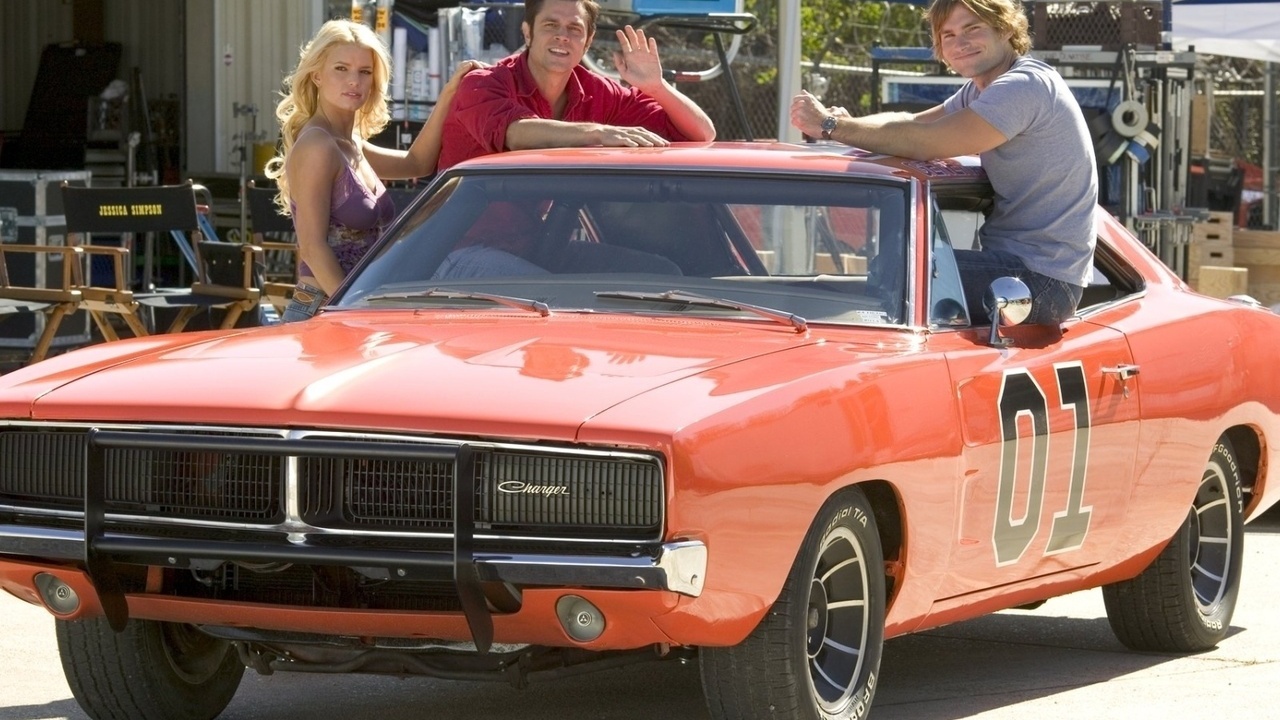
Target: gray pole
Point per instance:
(1269, 164)
(788, 66)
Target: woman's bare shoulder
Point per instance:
(314, 150)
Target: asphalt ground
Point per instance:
(1057, 661)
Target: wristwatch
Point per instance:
(828, 125)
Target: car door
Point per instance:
(1049, 424)
(1050, 431)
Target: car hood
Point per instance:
(490, 374)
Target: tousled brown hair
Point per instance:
(1004, 16)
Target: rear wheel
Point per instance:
(149, 671)
(1183, 602)
(816, 654)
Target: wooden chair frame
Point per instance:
(54, 302)
(155, 209)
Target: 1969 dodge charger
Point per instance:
(582, 407)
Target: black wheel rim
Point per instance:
(194, 656)
(837, 619)
(1212, 539)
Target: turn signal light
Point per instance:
(580, 619)
(58, 596)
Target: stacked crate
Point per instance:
(1259, 252)
(1211, 246)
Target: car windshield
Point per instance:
(788, 249)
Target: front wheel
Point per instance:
(149, 671)
(816, 654)
(1183, 601)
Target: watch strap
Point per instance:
(828, 126)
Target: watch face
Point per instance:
(828, 124)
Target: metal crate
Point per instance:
(1108, 25)
(37, 196)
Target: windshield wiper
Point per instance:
(448, 294)
(682, 297)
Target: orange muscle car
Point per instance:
(720, 401)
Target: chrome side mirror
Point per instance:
(1008, 302)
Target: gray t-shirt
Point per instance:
(1044, 175)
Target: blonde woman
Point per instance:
(329, 175)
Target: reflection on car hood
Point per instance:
(479, 373)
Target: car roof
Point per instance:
(768, 156)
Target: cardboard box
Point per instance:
(1211, 244)
(1222, 282)
(851, 264)
(1259, 252)
(1208, 253)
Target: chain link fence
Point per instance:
(843, 74)
(841, 77)
(1237, 128)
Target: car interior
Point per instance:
(959, 213)
(765, 241)
(826, 251)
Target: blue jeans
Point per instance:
(1052, 301)
(306, 300)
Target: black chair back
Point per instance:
(129, 210)
(223, 263)
(264, 216)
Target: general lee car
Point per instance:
(611, 405)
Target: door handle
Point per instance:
(1122, 372)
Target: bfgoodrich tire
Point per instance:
(1183, 602)
(150, 671)
(816, 654)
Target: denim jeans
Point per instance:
(307, 299)
(1052, 301)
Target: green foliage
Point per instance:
(842, 32)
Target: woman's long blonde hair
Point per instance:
(300, 100)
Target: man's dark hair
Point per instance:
(592, 8)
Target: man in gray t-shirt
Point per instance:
(1018, 114)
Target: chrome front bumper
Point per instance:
(678, 567)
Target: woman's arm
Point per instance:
(312, 168)
(420, 159)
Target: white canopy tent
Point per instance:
(1244, 29)
(1233, 28)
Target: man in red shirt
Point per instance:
(544, 97)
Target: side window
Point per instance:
(1111, 279)
(946, 294)
(962, 227)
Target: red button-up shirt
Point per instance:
(489, 100)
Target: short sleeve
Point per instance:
(485, 106)
(1012, 102)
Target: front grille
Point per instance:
(529, 489)
(352, 492)
(518, 490)
(197, 485)
(47, 469)
(41, 467)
